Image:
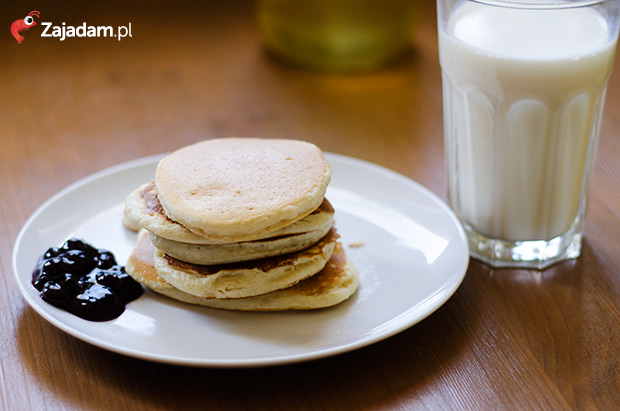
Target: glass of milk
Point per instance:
(523, 90)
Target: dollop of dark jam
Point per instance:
(85, 281)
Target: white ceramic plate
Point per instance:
(412, 258)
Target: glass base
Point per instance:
(538, 254)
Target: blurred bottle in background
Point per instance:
(337, 35)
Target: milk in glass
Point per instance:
(522, 101)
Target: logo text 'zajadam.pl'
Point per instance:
(65, 31)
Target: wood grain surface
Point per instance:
(507, 339)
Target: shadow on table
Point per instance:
(384, 374)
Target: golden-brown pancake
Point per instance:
(206, 254)
(238, 189)
(129, 222)
(142, 207)
(249, 278)
(336, 282)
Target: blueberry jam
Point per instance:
(85, 281)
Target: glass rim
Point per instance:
(542, 5)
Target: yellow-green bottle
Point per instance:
(337, 35)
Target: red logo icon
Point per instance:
(21, 25)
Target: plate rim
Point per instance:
(323, 352)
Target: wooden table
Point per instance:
(512, 339)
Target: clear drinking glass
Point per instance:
(523, 91)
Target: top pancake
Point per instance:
(237, 189)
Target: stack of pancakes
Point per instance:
(243, 224)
